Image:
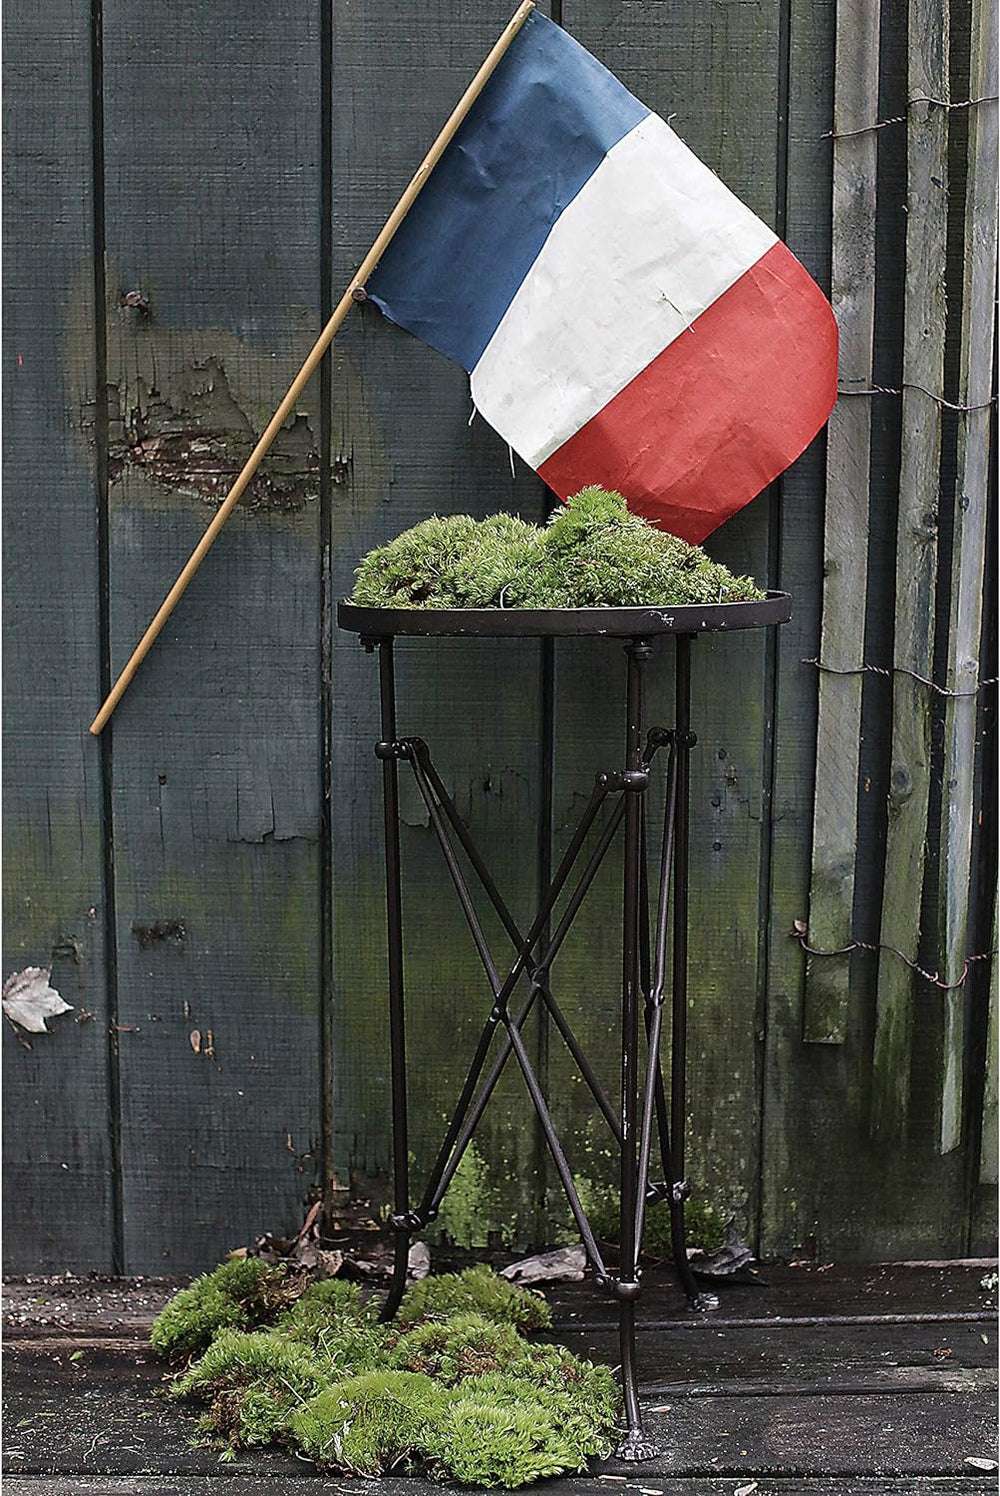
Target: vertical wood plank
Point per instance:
(825, 1181)
(402, 449)
(57, 1100)
(714, 72)
(988, 1148)
(845, 573)
(213, 190)
(968, 559)
(916, 560)
(799, 1122)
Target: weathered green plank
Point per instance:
(916, 561)
(729, 120)
(402, 449)
(845, 545)
(58, 1170)
(988, 1172)
(212, 210)
(968, 560)
(823, 1176)
(799, 1121)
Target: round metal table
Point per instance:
(644, 1113)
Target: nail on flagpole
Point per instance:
(304, 375)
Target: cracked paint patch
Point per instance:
(193, 439)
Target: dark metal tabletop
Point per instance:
(623, 623)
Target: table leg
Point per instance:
(673, 1163)
(400, 1220)
(635, 1446)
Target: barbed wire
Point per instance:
(901, 119)
(798, 933)
(902, 670)
(881, 389)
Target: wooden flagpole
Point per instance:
(302, 378)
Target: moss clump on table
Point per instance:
(452, 1387)
(592, 554)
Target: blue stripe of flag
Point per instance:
(538, 131)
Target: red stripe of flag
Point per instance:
(721, 411)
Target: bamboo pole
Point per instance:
(304, 375)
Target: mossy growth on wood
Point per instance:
(453, 1387)
(593, 553)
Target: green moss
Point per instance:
(238, 1294)
(518, 1411)
(582, 1399)
(463, 1345)
(704, 1225)
(597, 554)
(366, 1424)
(479, 1291)
(593, 553)
(252, 1381)
(479, 1443)
(468, 1208)
(325, 1306)
(468, 1347)
(461, 1394)
(339, 1328)
(449, 561)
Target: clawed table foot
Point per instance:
(637, 1446)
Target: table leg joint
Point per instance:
(625, 1291)
(407, 1221)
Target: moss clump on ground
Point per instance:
(485, 1443)
(461, 1346)
(455, 1389)
(338, 1327)
(252, 1381)
(367, 1424)
(476, 1291)
(238, 1295)
(593, 553)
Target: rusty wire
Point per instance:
(901, 119)
(881, 389)
(902, 670)
(933, 977)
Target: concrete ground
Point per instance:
(874, 1380)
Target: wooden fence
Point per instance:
(188, 186)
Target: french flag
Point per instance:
(625, 320)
